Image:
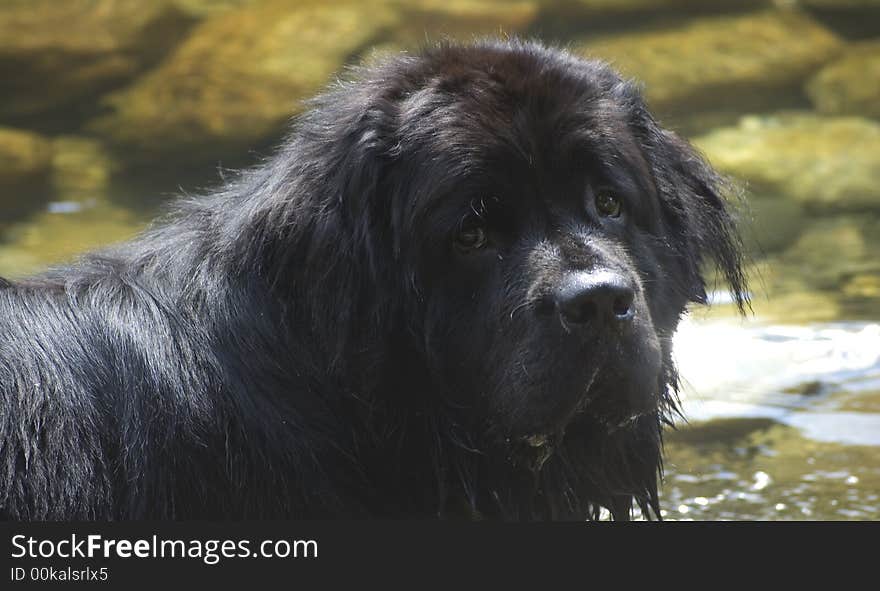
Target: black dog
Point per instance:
(450, 293)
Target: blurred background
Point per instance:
(110, 107)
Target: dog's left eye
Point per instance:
(471, 236)
(607, 204)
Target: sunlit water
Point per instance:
(783, 422)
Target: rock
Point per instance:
(51, 237)
(822, 162)
(701, 122)
(849, 85)
(62, 52)
(599, 8)
(851, 19)
(865, 285)
(798, 306)
(236, 79)
(202, 8)
(25, 161)
(718, 63)
(432, 20)
(773, 223)
(832, 251)
(835, 256)
(842, 4)
(82, 169)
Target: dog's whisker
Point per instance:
(525, 304)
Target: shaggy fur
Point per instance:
(373, 322)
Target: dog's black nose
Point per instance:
(601, 296)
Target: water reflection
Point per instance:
(760, 469)
(784, 422)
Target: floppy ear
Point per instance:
(694, 203)
(343, 143)
(337, 230)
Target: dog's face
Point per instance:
(529, 237)
(537, 275)
(539, 240)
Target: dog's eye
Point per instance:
(471, 236)
(607, 204)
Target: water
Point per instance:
(783, 422)
(782, 407)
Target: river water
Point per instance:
(783, 421)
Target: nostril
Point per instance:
(623, 305)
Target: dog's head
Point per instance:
(530, 235)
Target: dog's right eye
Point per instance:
(608, 204)
(471, 236)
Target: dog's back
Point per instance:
(118, 400)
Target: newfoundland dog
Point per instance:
(450, 293)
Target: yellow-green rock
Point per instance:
(239, 76)
(842, 4)
(432, 20)
(830, 251)
(822, 162)
(82, 169)
(50, 238)
(771, 223)
(849, 85)
(25, 160)
(203, 8)
(836, 256)
(721, 62)
(621, 7)
(54, 52)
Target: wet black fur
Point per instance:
(306, 342)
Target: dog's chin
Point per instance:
(533, 451)
(610, 407)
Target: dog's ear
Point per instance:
(339, 228)
(359, 127)
(699, 203)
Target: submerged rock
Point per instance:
(237, 78)
(850, 85)
(51, 237)
(830, 252)
(822, 162)
(25, 161)
(772, 223)
(842, 4)
(852, 19)
(202, 8)
(834, 258)
(601, 8)
(82, 169)
(53, 53)
(432, 20)
(716, 63)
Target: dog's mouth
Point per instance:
(533, 451)
(537, 445)
(537, 441)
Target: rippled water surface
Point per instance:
(783, 422)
